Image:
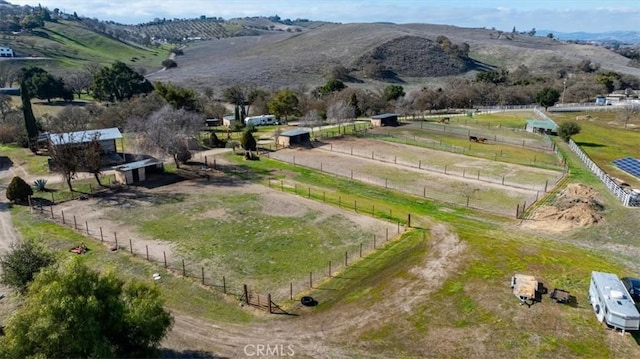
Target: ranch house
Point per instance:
(541, 126)
(298, 136)
(106, 138)
(6, 52)
(387, 119)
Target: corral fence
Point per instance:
(623, 195)
(620, 193)
(211, 279)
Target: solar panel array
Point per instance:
(629, 165)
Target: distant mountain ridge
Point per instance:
(623, 37)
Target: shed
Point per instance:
(541, 126)
(212, 122)
(387, 119)
(106, 137)
(135, 172)
(291, 137)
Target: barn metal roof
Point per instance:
(295, 132)
(137, 164)
(384, 115)
(544, 124)
(76, 137)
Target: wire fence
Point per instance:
(209, 278)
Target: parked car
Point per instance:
(633, 287)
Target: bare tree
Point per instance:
(341, 112)
(167, 130)
(311, 119)
(629, 112)
(8, 74)
(79, 82)
(69, 119)
(67, 156)
(5, 106)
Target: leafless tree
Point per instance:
(167, 130)
(79, 81)
(8, 74)
(629, 112)
(311, 119)
(341, 112)
(69, 119)
(5, 106)
(69, 154)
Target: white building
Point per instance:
(6, 52)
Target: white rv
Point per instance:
(612, 303)
(262, 120)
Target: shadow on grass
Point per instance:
(590, 144)
(188, 354)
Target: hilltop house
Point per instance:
(6, 52)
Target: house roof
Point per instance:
(384, 115)
(295, 132)
(544, 124)
(137, 164)
(76, 137)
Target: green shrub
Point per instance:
(40, 184)
(18, 190)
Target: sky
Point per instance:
(556, 15)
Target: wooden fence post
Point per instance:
(269, 300)
(345, 258)
(246, 294)
(115, 236)
(329, 268)
(130, 246)
(75, 224)
(291, 290)
(146, 246)
(164, 254)
(184, 271)
(224, 285)
(310, 279)
(203, 275)
(360, 249)
(409, 220)
(86, 226)
(101, 236)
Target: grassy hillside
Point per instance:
(68, 44)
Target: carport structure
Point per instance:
(294, 137)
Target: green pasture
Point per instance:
(243, 242)
(605, 140)
(180, 294)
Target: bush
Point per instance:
(567, 129)
(176, 51)
(40, 185)
(18, 190)
(20, 266)
(168, 63)
(183, 155)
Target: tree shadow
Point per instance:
(590, 144)
(5, 163)
(188, 354)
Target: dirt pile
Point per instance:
(576, 206)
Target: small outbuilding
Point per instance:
(138, 171)
(106, 137)
(387, 119)
(541, 126)
(293, 137)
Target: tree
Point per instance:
(547, 97)
(29, 118)
(332, 86)
(92, 159)
(73, 311)
(119, 82)
(22, 263)
(236, 96)
(284, 104)
(43, 85)
(176, 96)
(167, 131)
(169, 63)
(69, 119)
(18, 190)
(248, 142)
(340, 111)
(67, 158)
(79, 81)
(567, 129)
(393, 92)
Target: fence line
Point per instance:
(222, 283)
(616, 190)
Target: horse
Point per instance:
(473, 138)
(481, 140)
(444, 120)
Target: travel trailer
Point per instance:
(612, 303)
(262, 120)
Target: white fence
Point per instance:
(623, 196)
